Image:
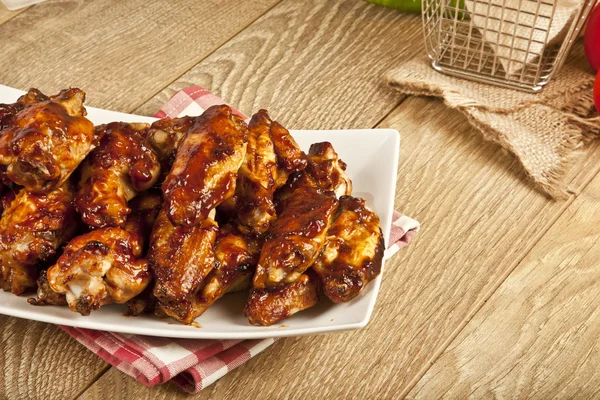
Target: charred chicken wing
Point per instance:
(32, 228)
(122, 166)
(271, 305)
(353, 251)
(181, 258)
(105, 265)
(296, 238)
(206, 165)
(43, 143)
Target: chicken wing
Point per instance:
(236, 257)
(165, 136)
(8, 111)
(325, 170)
(45, 294)
(205, 168)
(296, 237)
(180, 258)
(105, 265)
(271, 156)
(122, 166)
(31, 230)
(353, 252)
(45, 141)
(271, 305)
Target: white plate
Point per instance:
(372, 158)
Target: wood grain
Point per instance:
(40, 361)
(5, 14)
(537, 336)
(120, 52)
(312, 64)
(473, 234)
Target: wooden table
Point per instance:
(498, 295)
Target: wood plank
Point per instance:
(537, 336)
(40, 361)
(120, 52)
(312, 64)
(478, 220)
(5, 14)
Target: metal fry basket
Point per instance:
(513, 43)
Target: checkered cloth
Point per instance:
(193, 364)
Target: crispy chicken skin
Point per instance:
(271, 305)
(353, 252)
(43, 143)
(120, 167)
(271, 156)
(205, 169)
(45, 294)
(325, 170)
(296, 237)
(105, 265)
(32, 228)
(180, 258)
(236, 257)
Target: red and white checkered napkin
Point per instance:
(193, 364)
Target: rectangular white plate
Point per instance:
(372, 158)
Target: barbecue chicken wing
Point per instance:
(236, 257)
(296, 237)
(105, 265)
(45, 294)
(44, 141)
(271, 156)
(8, 111)
(181, 258)
(271, 305)
(353, 252)
(205, 168)
(325, 170)
(123, 165)
(165, 136)
(32, 228)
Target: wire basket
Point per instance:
(513, 43)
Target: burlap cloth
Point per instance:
(545, 131)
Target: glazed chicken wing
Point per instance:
(271, 305)
(325, 170)
(32, 228)
(43, 142)
(271, 156)
(165, 136)
(353, 252)
(296, 237)
(181, 258)
(236, 257)
(122, 166)
(105, 265)
(206, 165)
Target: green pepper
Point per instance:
(413, 6)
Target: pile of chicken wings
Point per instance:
(169, 217)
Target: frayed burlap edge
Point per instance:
(576, 105)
